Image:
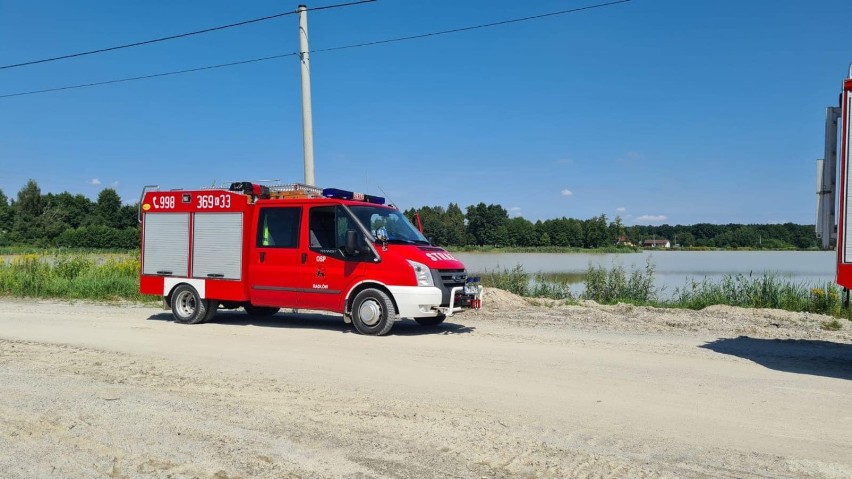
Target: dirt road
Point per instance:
(91, 390)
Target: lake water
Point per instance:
(672, 268)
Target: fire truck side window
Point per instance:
(328, 226)
(321, 228)
(278, 227)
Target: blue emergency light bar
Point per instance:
(349, 195)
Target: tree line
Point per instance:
(490, 225)
(66, 220)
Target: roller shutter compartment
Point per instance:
(217, 248)
(166, 250)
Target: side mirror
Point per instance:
(382, 235)
(351, 246)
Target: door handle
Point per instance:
(262, 256)
(304, 258)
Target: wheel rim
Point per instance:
(185, 302)
(370, 312)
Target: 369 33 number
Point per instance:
(213, 201)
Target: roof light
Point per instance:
(249, 188)
(349, 195)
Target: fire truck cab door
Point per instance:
(276, 260)
(328, 273)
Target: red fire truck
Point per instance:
(262, 248)
(839, 236)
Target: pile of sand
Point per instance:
(501, 300)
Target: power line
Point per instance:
(182, 35)
(474, 27)
(343, 47)
(155, 75)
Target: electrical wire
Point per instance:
(343, 47)
(182, 35)
(474, 27)
(155, 75)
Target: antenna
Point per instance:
(392, 202)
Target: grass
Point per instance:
(71, 277)
(518, 281)
(766, 291)
(833, 325)
(616, 285)
(116, 277)
(19, 250)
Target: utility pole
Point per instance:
(307, 118)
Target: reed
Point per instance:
(615, 284)
(514, 280)
(764, 291)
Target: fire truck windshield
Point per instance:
(398, 228)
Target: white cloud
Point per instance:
(515, 208)
(651, 218)
(566, 192)
(515, 211)
(620, 209)
(115, 184)
(94, 182)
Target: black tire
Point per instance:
(187, 305)
(373, 312)
(212, 309)
(431, 322)
(260, 311)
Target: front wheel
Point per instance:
(430, 322)
(189, 308)
(372, 312)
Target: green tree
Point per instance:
(685, 239)
(71, 209)
(596, 232)
(456, 230)
(5, 213)
(108, 208)
(487, 224)
(521, 232)
(615, 230)
(28, 208)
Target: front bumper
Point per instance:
(425, 301)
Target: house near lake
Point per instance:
(657, 243)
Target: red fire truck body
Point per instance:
(844, 219)
(297, 247)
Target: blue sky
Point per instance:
(660, 111)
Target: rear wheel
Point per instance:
(260, 311)
(373, 312)
(431, 321)
(188, 307)
(212, 309)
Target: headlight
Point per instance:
(422, 274)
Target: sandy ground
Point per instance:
(514, 390)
